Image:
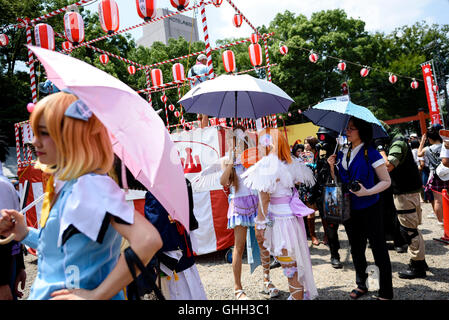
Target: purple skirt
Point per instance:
(242, 211)
(436, 184)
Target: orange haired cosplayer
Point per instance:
(274, 141)
(83, 146)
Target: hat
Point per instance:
(413, 135)
(201, 57)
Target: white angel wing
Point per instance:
(209, 177)
(301, 173)
(266, 174)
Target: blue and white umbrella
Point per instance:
(334, 114)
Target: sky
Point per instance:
(379, 15)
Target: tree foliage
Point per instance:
(330, 33)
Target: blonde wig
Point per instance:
(82, 146)
(275, 142)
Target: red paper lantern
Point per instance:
(364, 72)
(178, 72)
(44, 36)
(180, 4)
(313, 57)
(164, 99)
(229, 61)
(255, 54)
(289, 114)
(109, 17)
(67, 45)
(146, 9)
(156, 77)
(171, 107)
(414, 84)
(177, 114)
(392, 78)
(131, 69)
(341, 66)
(283, 50)
(217, 3)
(74, 27)
(4, 40)
(255, 38)
(299, 111)
(237, 20)
(104, 58)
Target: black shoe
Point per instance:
(335, 262)
(401, 249)
(416, 269)
(275, 264)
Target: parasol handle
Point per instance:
(8, 239)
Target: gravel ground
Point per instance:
(332, 284)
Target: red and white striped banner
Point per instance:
(429, 82)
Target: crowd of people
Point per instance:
(81, 254)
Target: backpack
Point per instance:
(174, 237)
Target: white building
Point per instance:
(173, 27)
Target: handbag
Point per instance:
(336, 201)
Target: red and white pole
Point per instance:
(267, 58)
(147, 75)
(206, 40)
(30, 60)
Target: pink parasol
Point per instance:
(137, 133)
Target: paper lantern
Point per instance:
(74, 27)
(255, 54)
(44, 36)
(171, 107)
(414, 84)
(131, 69)
(237, 20)
(364, 72)
(104, 58)
(289, 114)
(178, 72)
(109, 17)
(177, 114)
(179, 4)
(217, 3)
(4, 40)
(283, 50)
(146, 9)
(254, 38)
(67, 45)
(313, 57)
(341, 66)
(229, 61)
(164, 99)
(392, 78)
(299, 111)
(156, 77)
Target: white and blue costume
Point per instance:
(78, 247)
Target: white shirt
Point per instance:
(354, 153)
(444, 153)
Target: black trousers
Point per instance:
(367, 224)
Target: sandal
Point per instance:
(239, 293)
(272, 291)
(357, 293)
